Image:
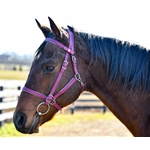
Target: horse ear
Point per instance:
(55, 29)
(71, 29)
(43, 28)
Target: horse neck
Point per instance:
(116, 99)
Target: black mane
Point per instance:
(127, 64)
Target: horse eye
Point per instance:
(48, 69)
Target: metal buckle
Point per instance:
(78, 78)
(49, 98)
(74, 59)
(65, 63)
(42, 113)
(52, 102)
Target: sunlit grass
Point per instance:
(13, 75)
(8, 130)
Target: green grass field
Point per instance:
(13, 75)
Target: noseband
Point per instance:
(51, 98)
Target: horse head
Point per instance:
(53, 82)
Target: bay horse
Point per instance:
(69, 62)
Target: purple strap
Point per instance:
(40, 95)
(35, 93)
(60, 45)
(63, 68)
(51, 98)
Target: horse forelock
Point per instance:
(41, 47)
(126, 64)
(51, 35)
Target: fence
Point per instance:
(87, 101)
(9, 92)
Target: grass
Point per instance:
(13, 75)
(8, 130)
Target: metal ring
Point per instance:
(42, 113)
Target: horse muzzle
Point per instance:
(19, 120)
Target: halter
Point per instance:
(51, 98)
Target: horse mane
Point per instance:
(126, 64)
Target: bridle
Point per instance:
(51, 98)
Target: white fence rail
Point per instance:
(9, 93)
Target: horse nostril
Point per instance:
(20, 120)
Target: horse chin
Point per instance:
(36, 130)
(34, 127)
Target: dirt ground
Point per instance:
(104, 127)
